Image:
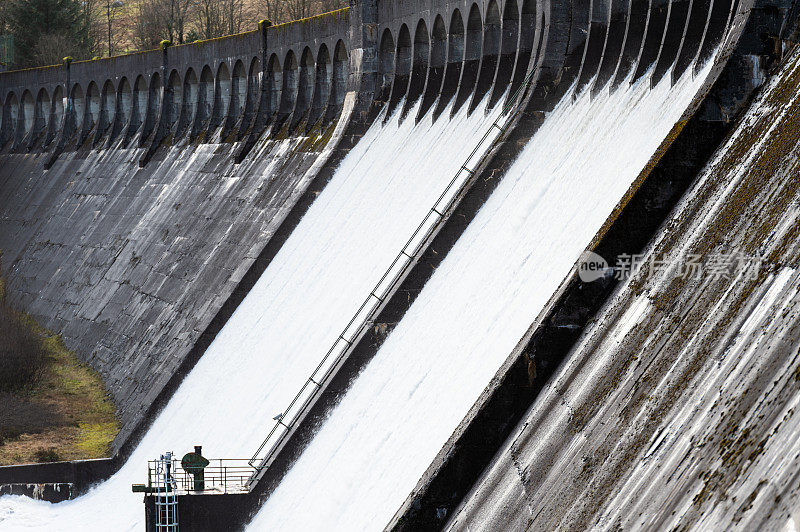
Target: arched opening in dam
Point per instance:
(721, 12)
(692, 38)
(138, 107)
(78, 108)
(288, 91)
(490, 52)
(305, 89)
(274, 85)
(10, 118)
(152, 107)
(455, 60)
(43, 112)
(190, 102)
(123, 116)
(205, 102)
(173, 101)
(635, 31)
(57, 114)
(528, 30)
(238, 102)
(614, 41)
(509, 41)
(253, 96)
(92, 113)
(222, 97)
(385, 67)
(594, 43)
(108, 109)
(322, 87)
(402, 70)
(27, 114)
(657, 18)
(472, 58)
(338, 82)
(438, 59)
(672, 41)
(419, 67)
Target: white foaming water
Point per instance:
(380, 438)
(287, 322)
(386, 430)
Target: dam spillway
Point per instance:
(530, 231)
(424, 98)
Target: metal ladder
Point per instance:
(287, 421)
(166, 499)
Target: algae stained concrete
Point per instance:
(132, 264)
(678, 407)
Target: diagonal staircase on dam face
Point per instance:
(368, 312)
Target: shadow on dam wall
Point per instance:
(141, 196)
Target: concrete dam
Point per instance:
(342, 254)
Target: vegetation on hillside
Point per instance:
(44, 31)
(52, 407)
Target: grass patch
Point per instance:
(94, 438)
(63, 413)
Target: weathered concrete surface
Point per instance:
(51, 492)
(677, 409)
(132, 264)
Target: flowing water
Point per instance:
(398, 413)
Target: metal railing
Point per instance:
(286, 421)
(222, 475)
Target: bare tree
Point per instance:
(155, 20)
(326, 6)
(275, 11)
(112, 8)
(51, 48)
(94, 26)
(297, 9)
(233, 15)
(209, 19)
(215, 18)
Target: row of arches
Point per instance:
(309, 88)
(463, 58)
(488, 51)
(466, 58)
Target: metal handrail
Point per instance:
(315, 383)
(222, 475)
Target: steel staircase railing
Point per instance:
(287, 421)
